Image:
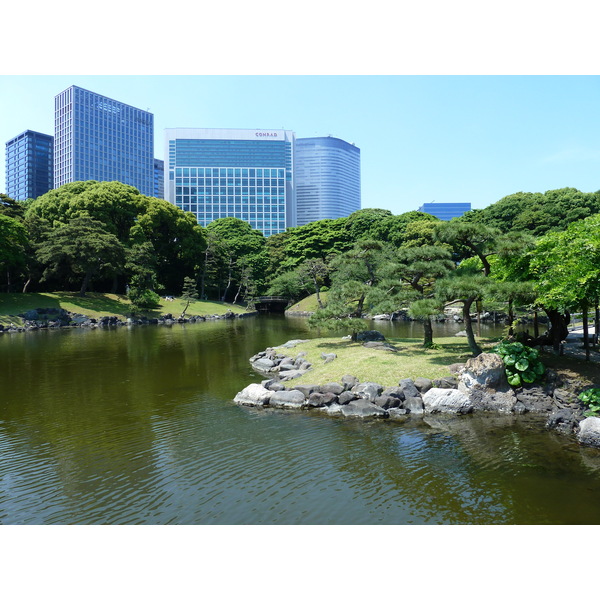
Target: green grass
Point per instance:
(309, 304)
(386, 368)
(97, 305)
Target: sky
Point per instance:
(459, 101)
(440, 138)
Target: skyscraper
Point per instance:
(101, 139)
(159, 178)
(243, 173)
(445, 210)
(29, 165)
(327, 172)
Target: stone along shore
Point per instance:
(477, 386)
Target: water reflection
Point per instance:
(138, 426)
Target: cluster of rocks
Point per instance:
(479, 385)
(52, 318)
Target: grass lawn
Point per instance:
(386, 368)
(309, 304)
(98, 305)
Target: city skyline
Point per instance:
(422, 138)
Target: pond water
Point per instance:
(137, 426)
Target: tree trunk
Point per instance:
(586, 330)
(536, 326)
(85, 283)
(26, 285)
(427, 333)
(475, 349)
(558, 328)
(596, 323)
(511, 318)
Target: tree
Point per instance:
(83, 248)
(13, 244)
(567, 268)
(409, 279)
(189, 293)
(355, 275)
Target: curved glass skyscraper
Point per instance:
(327, 173)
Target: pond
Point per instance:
(137, 426)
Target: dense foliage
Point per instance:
(537, 252)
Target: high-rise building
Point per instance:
(327, 172)
(445, 210)
(29, 165)
(159, 178)
(243, 173)
(97, 138)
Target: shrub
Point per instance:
(591, 398)
(521, 362)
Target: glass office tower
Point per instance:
(327, 178)
(29, 165)
(242, 173)
(159, 178)
(445, 210)
(97, 138)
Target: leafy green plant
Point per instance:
(521, 362)
(591, 398)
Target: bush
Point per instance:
(521, 362)
(143, 298)
(591, 398)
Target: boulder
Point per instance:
(423, 384)
(395, 391)
(293, 374)
(363, 409)
(387, 401)
(589, 432)
(346, 397)
(368, 390)
(370, 336)
(349, 381)
(563, 420)
(264, 365)
(254, 395)
(484, 371)
(397, 414)
(287, 399)
(446, 401)
(414, 405)
(307, 389)
(317, 399)
(446, 383)
(408, 388)
(328, 357)
(331, 388)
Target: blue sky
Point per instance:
(423, 138)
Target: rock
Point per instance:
(254, 395)
(293, 343)
(460, 333)
(484, 371)
(370, 336)
(397, 414)
(456, 368)
(562, 419)
(288, 375)
(408, 388)
(307, 390)
(386, 401)
(395, 391)
(491, 400)
(383, 317)
(328, 357)
(446, 401)
(331, 388)
(346, 397)
(264, 365)
(414, 405)
(589, 432)
(446, 383)
(349, 381)
(368, 390)
(273, 385)
(423, 384)
(287, 399)
(316, 399)
(333, 410)
(362, 408)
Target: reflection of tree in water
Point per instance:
(475, 469)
